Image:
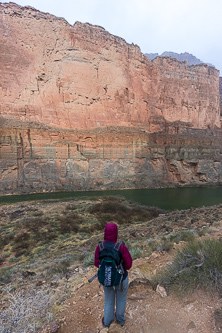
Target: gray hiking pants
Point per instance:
(119, 295)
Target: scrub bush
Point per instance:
(196, 265)
(26, 312)
(135, 252)
(2, 259)
(89, 260)
(5, 239)
(58, 267)
(32, 224)
(70, 223)
(21, 244)
(6, 275)
(122, 212)
(163, 244)
(183, 235)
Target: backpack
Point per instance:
(110, 272)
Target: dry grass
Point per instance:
(25, 313)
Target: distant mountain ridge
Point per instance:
(190, 58)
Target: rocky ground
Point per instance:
(53, 278)
(147, 310)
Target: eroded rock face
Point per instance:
(81, 109)
(35, 160)
(83, 77)
(220, 89)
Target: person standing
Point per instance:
(115, 295)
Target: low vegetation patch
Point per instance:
(162, 244)
(69, 223)
(119, 210)
(25, 313)
(197, 265)
(183, 235)
(33, 227)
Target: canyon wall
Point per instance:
(220, 89)
(82, 110)
(41, 159)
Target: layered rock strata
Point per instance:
(82, 109)
(39, 159)
(220, 89)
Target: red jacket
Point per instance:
(111, 235)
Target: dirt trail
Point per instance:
(147, 311)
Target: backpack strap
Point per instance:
(117, 246)
(101, 246)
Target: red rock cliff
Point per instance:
(83, 77)
(64, 89)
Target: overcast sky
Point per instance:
(193, 26)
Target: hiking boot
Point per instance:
(103, 323)
(118, 321)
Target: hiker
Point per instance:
(117, 293)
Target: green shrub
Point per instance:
(14, 259)
(175, 238)
(66, 236)
(197, 265)
(89, 260)
(39, 250)
(135, 252)
(163, 244)
(5, 275)
(184, 235)
(201, 232)
(60, 267)
(5, 239)
(187, 236)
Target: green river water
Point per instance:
(168, 199)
